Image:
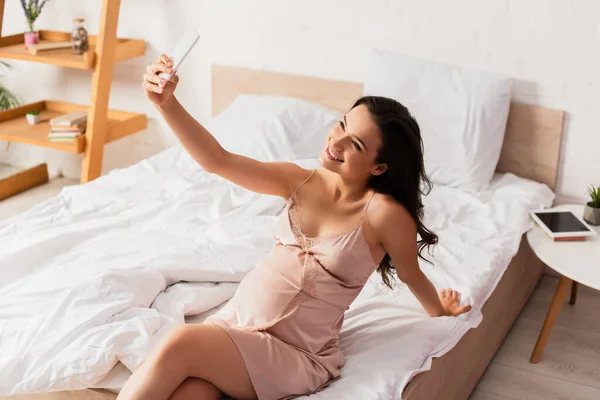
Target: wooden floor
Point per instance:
(17, 204)
(570, 366)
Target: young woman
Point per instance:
(278, 336)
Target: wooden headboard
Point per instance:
(531, 144)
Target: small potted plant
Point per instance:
(32, 9)
(33, 117)
(591, 213)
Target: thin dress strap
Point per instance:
(367, 206)
(302, 183)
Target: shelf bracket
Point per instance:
(101, 82)
(1, 15)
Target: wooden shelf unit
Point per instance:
(103, 125)
(12, 47)
(15, 128)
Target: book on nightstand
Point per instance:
(570, 239)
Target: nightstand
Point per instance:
(576, 262)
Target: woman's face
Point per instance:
(352, 146)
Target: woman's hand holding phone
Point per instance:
(158, 90)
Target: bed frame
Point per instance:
(530, 150)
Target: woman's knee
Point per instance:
(184, 346)
(193, 388)
(205, 352)
(174, 345)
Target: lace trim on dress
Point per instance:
(307, 242)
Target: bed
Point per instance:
(450, 369)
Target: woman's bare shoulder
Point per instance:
(385, 213)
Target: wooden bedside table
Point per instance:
(577, 262)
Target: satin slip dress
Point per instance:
(286, 315)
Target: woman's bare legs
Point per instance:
(195, 389)
(198, 351)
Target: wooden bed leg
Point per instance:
(574, 288)
(555, 307)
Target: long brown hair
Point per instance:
(402, 151)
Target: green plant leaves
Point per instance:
(594, 192)
(7, 99)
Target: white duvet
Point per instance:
(94, 277)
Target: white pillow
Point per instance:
(461, 112)
(273, 128)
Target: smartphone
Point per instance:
(180, 51)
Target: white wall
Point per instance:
(549, 46)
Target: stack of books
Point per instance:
(67, 127)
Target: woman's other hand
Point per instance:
(450, 300)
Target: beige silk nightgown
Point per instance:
(287, 313)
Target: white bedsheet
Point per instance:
(93, 277)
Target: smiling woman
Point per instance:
(284, 338)
(344, 139)
(389, 147)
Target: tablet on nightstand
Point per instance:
(562, 225)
